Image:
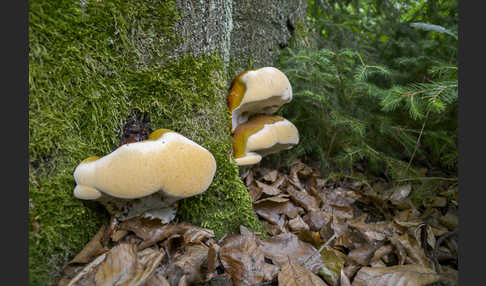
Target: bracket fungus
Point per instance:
(146, 177)
(262, 135)
(262, 90)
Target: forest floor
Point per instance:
(321, 231)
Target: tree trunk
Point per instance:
(95, 64)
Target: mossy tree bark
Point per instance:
(93, 65)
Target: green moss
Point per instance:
(91, 65)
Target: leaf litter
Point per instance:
(321, 231)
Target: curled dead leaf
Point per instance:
(401, 275)
(243, 259)
(281, 247)
(292, 274)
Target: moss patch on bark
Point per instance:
(91, 66)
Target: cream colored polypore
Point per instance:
(275, 137)
(266, 90)
(171, 164)
(250, 158)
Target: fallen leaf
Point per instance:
(333, 265)
(188, 264)
(312, 237)
(267, 189)
(303, 199)
(273, 208)
(244, 260)
(122, 265)
(372, 231)
(292, 274)
(363, 254)
(450, 221)
(153, 231)
(438, 202)
(344, 279)
(317, 219)
(157, 280)
(449, 276)
(280, 247)
(220, 280)
(414, 251)
(401, 275)
(255, 192)
(92, 249)
(297, 224)
(271, 176)
(380, 252)
(399, 193)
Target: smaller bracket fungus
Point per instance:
(262, 91)
(262, 135)
(149, 175)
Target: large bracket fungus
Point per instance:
(262, 135)
(262, 90)
(146, 177)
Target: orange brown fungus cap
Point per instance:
(244, 131)
(237, 91)
(252, 92)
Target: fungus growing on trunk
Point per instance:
(257, 91)
(262, 135)
(146, 176)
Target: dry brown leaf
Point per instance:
(273, 208)
(244, 260)
(267, 189)
(297, 224)
(400, 249)
(122, 265)
(450, 221)
(153, 231)
(93, 248)
(344, 279)
(157, 280)
(449, 276)
(363, 254)
(188, 265)
(317, 219)
(118, 235)
(271, 176)
(303, 199)
(380, 252)
(401, 275)
(312, 237)
(339, 197)
(398, 194)
(220, 280)
(194, 234)
(333, 265)
(280, 247)
(213, 261)
(438, 202)
(292, 274)
(274, 229)
(279, 182)
(351, 240)
(372, 231)
(255, 192)
(249, 178)
(414, 251)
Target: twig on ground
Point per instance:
(320, 248)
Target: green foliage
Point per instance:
(377, 85)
